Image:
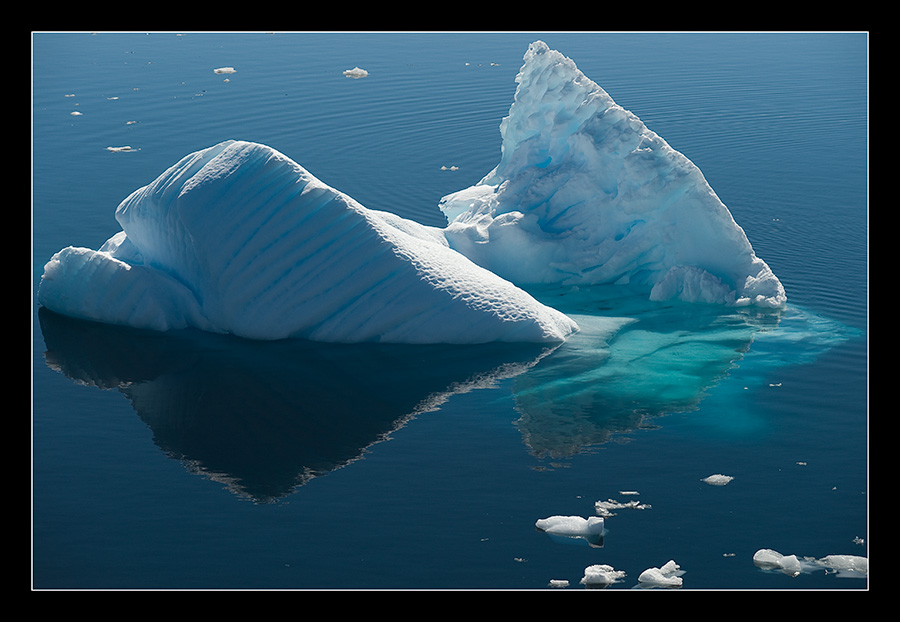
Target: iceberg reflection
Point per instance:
(266, 417)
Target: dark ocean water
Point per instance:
(200, 461)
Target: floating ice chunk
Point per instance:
(585, 193)
(717, 480)
(559, 583)
(853, 566)
(238, 238)
(846, 565)
(225, 70)
(601, 574)
(667, 576)
(604, 508)
(356, 73)
(790, 565)
(122, 149)
(571, 526)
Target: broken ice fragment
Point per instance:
(667, 576)
(717, 480)
(356, 73)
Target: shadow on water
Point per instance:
(266, 417)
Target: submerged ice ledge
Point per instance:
(238, 238)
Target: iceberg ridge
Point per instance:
(585, 193)
(238, 238)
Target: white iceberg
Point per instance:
(601, 575)
(846, 565)
(238, 238)
(585, 193)
(605, 508)
(843, 565)
(669, 575)
(717, 479)
(571, 526)
(356, 73)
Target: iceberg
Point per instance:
(238, 238)
(356, 73)
(717, 479)
(852, 566)
(601, 575)
(588, 530)
(585, 193)
(669, 575)
(571, 526)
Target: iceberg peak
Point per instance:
(585, 193)
(238, 238)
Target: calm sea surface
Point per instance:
(199, 461)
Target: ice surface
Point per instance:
(791, 565)
(237, 238)
(601, 574)
(605, 508)
(717, 479)
(669, 575)
(356, 73)
(585, 193)
(571, 526)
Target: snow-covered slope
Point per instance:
(238, 238)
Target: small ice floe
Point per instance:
(356, 73)
(75, 113)
(450, 168)
(559, 583)
(122, 149)
(225, 70)
(790, 565)
(601, 575)
(845, 565)
(853, 566)
(669, 575)
(572, 526)
(605, 508)
(717, 480)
